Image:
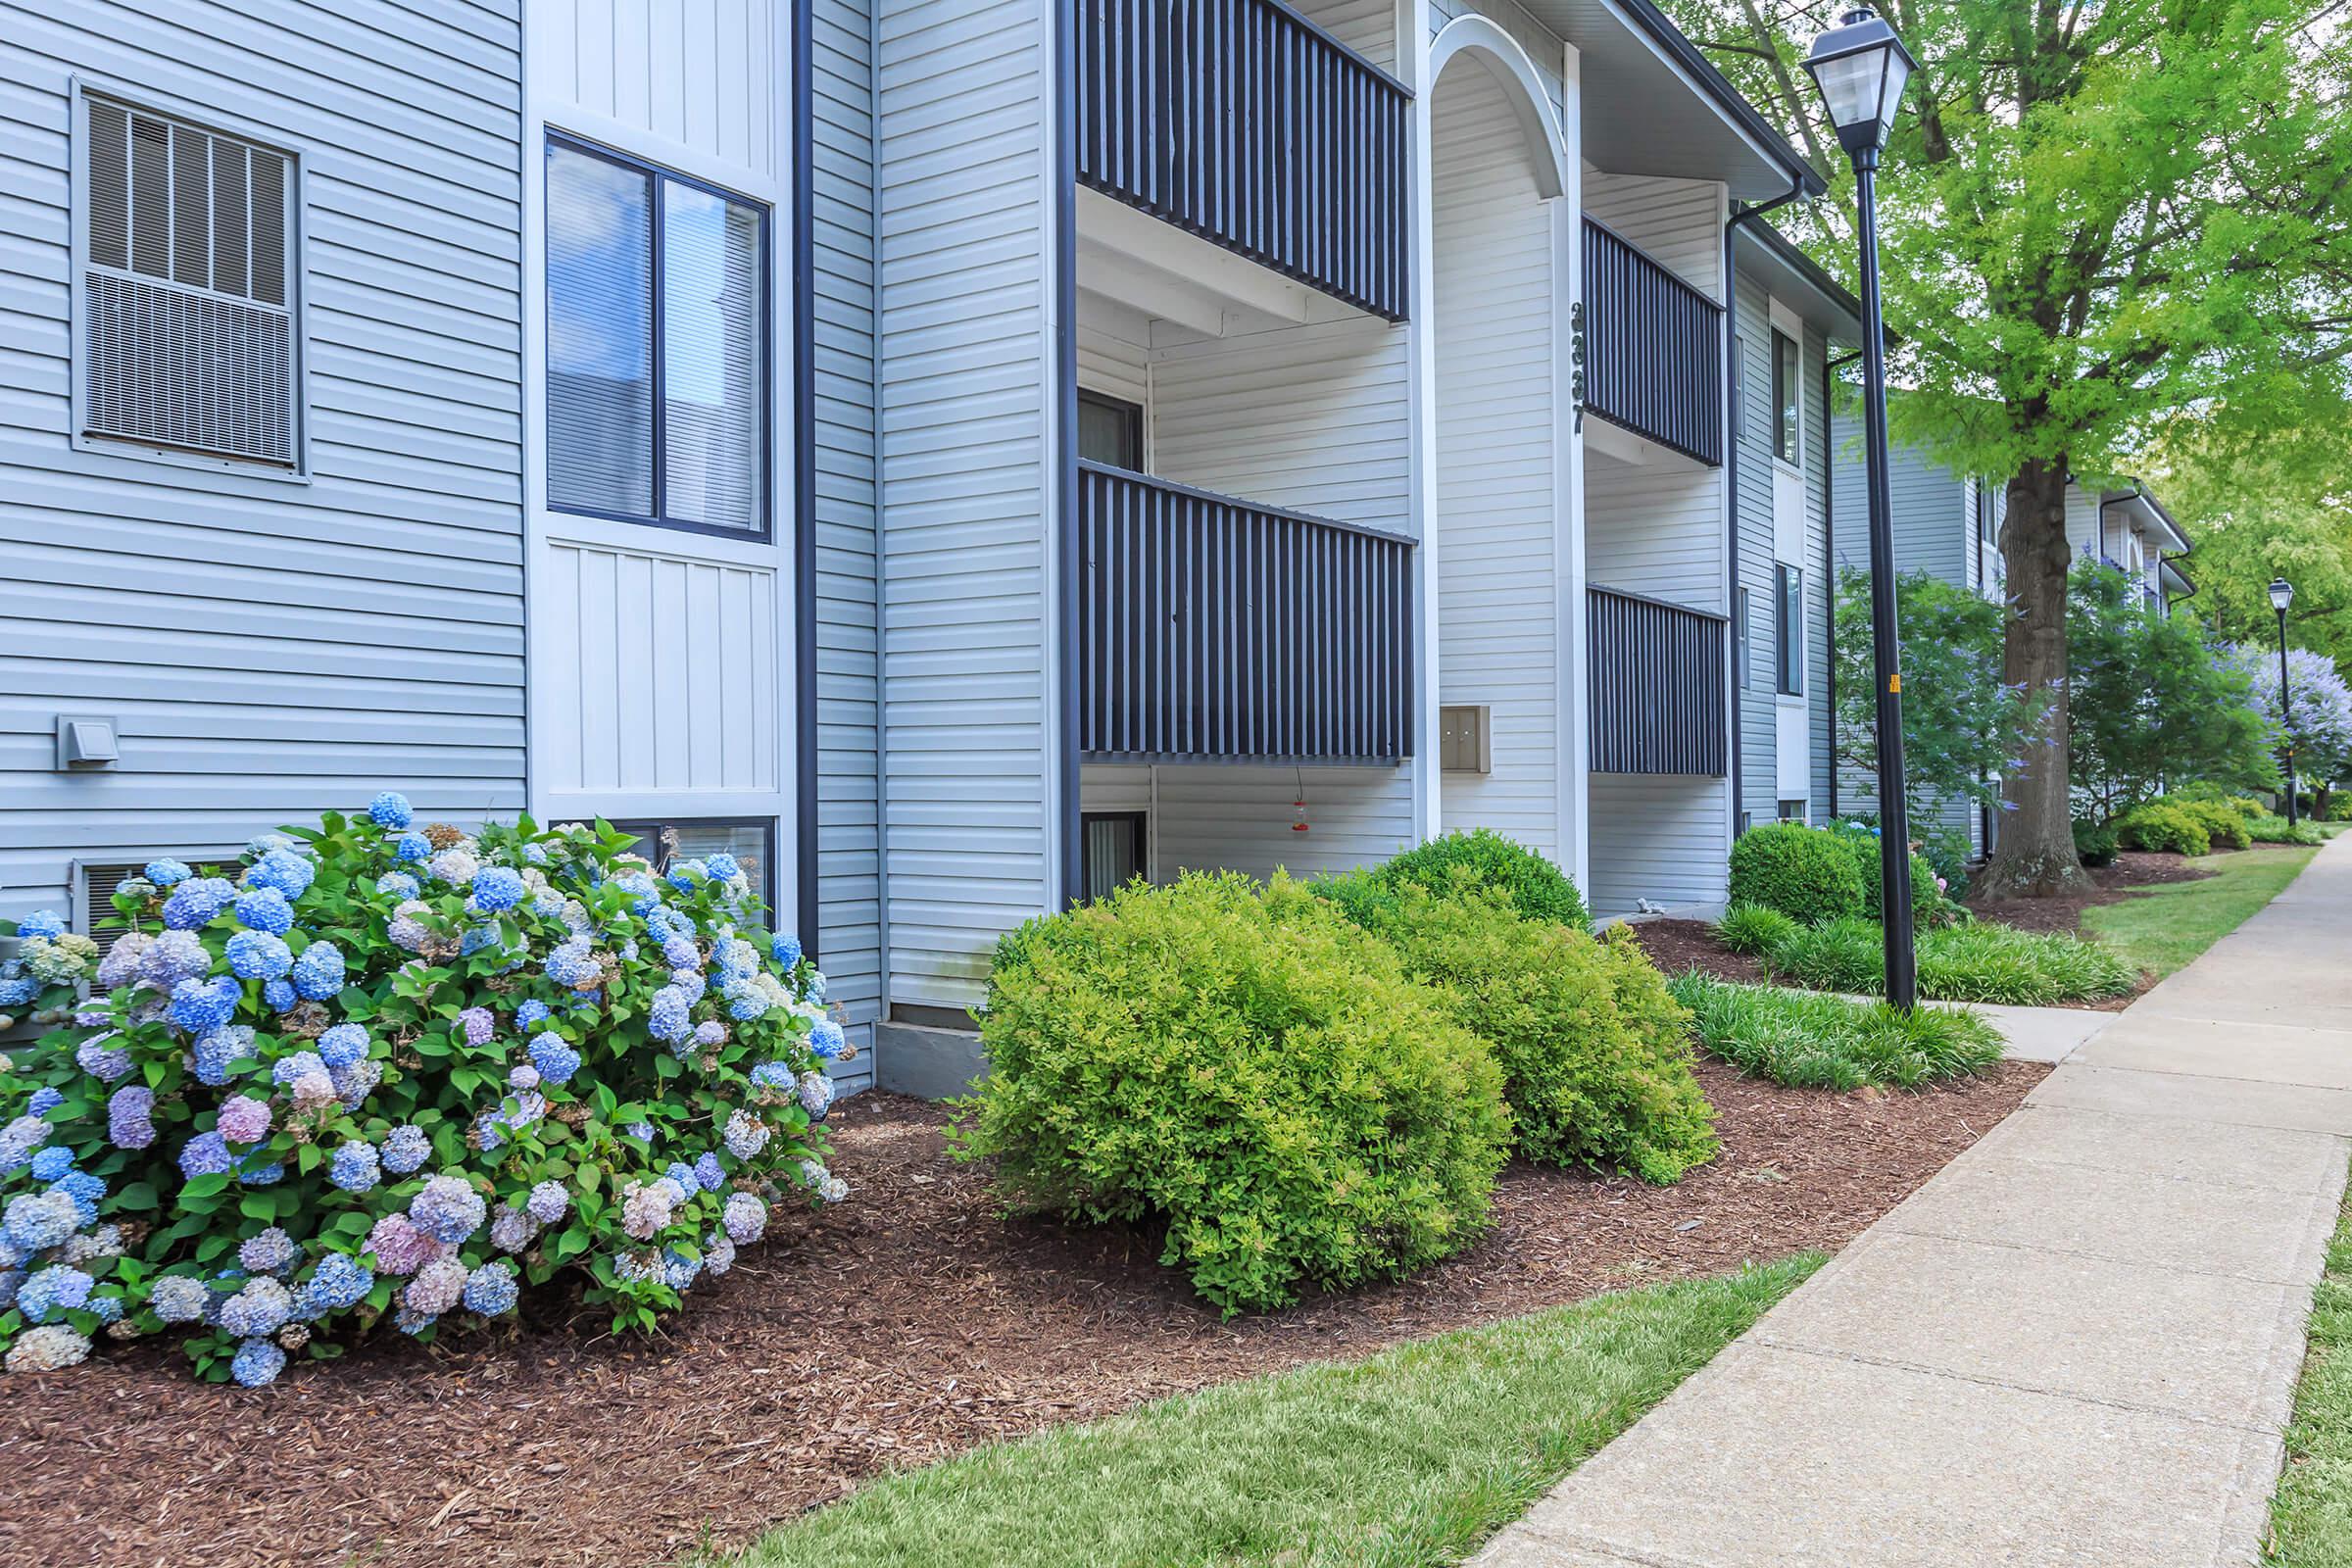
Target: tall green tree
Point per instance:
(2156, 706)
(1963, 730)
(2094, 212)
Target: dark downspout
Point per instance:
(1829, 554)
(1731, 479)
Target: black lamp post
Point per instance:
(2283, 594)
(1860, 67)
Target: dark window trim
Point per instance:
(1788, 414)
(1139, 821)
(651, 828)
(1742, 630)
(1788, 629)
(765, 533)
(1739, 391)
(1131, 413)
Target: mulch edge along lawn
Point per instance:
(2310, 1514)
(1410, 1457)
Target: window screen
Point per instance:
(187, 286)
(656, 346)
(750, 843)
(1113, 845)
(1785, 381)
(1788, 628)
(1111, 430)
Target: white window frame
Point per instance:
(80, 89)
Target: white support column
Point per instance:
(1412, 56)
(1568, 549)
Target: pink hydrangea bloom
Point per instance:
(244, 1120)
(399, 1247)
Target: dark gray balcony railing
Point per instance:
(1653, 348)
(1250, 125)
(1212, 629)
(1659, 697)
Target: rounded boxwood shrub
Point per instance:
(1595, 1055)
(2223, 826)
(2157, 825)
(386, 1070)
(1452, 861)
(1807, 873)
(1239, 1064)
(2095, 843)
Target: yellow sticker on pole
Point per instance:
(1894, 683)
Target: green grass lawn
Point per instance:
(2311, 1515)
(2165, 927)
(1410, 1457)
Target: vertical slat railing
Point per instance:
(1659, 686)
(1653, 348)
(1214, 629)
(1247, 125)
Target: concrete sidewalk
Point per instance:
(2076, 1344)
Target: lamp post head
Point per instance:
(1860, 67)
(2283, 594)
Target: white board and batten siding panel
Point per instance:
(706, 76)
(965, 368)
(1497, 453)
(272, 649)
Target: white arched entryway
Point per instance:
(1500, 271)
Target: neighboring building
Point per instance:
(958, 455)
(1794, 323)
(2130, 530)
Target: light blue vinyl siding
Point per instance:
(272, 649)
(849, 795)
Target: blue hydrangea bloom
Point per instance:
(642, 1130)
(548, 1203)
(264, 908)
(55, 1289)
(319, 972)
(412, 847)
(291, 1070)
(16, 990)
(687, 875)
(572, 963)
(772, 1075)
(257, 1362)
(680, 953)
(690, 981)
(391, 809)
(106, 1308)
(497, 888)
(398, 884)
(682, 1174)
(289, 874)
(201, 1006)
(555, 1060)
(166, 872)
(44, 1101)
(354, 1167)
(194, 902)
(51, 1162)
(405, 1148)
(723, 867)
(531, 1014)
(449, 1209)
(490, 1290)
(786, 951)
(34, 1222)
(280, 994)
(342, 1045)
(256, 1172)
(259, 954)
(206, 1155)
(668, 1020)
(707, 1172)
(268, 1251)
(216, 1053)
(41, 923)
(826, 1038)
(817, 986)
(102, 1061)
(84, 1190)
(338, 1283)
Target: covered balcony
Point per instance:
(1659, 686)
(1653, 348)
(1245, 124)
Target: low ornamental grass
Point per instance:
(1406, 1459)
(1980, 961)
(1810, 1040)
(2311, 1516)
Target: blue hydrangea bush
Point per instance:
(383, 1071)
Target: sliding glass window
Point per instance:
(658, 346)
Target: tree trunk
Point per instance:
(2034, 855)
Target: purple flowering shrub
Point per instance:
(379, 1071)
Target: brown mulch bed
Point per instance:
(1676, 946)
(907, 1324)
